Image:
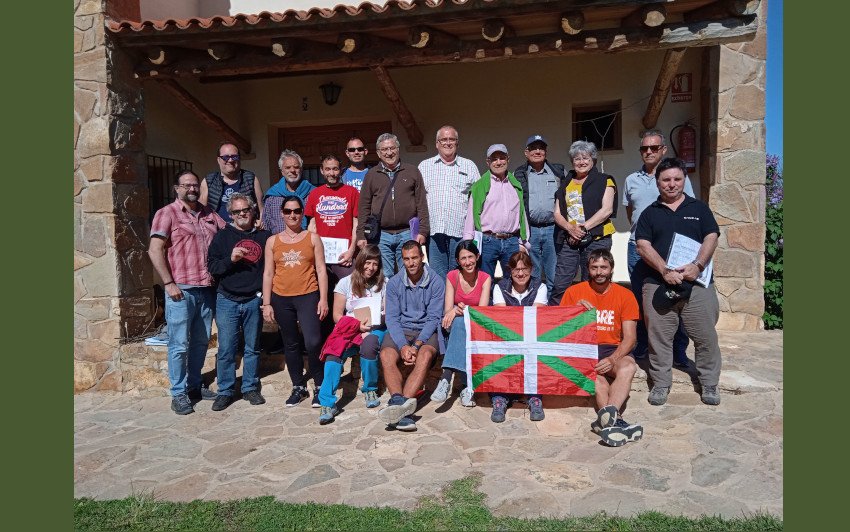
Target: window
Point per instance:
(601, 124)
(161, 172)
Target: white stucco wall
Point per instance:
(503, 101)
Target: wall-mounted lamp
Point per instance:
(330, 92)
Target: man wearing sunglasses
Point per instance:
(640, 191)
(230, 178)
(356, 152)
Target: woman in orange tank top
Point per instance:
(295, 286)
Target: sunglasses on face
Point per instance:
(237, 212)
(358, 149)
(654, 148)
(287, 212)
(228, 158)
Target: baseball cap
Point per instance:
(497, 147)
(536, 138)
(667, 294)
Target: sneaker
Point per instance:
(535, 406)
(620, 433)
(500, 406)
(710, 396)
(658, 395)
(299, 393)
(372, 400)
(253, 397)
(315, 402)
(222, 401)
(406, 424)
(606, 417)
(202, 394)
(442, 391)
(327, 414)
(397, 407)
(181, 404)
(466, 398)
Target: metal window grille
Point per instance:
(161, 171)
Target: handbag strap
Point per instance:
(387, 195)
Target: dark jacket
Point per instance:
(409, 200)
(215, 187)
(521, 174)
(506, 285)
(592, 192)
(238, 281)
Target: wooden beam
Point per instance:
(350, 43)
(495, 29)
(426, 36)
(405, 117)
(222, 51)
(572, 22)
(722, 9)
(669, 67)
(208, 117)
(651, 15)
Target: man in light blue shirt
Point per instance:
(640, 191)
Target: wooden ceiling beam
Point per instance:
(723, 9)
(222, 51)
(669, 68)
(208, 117)
(496, 29)
(405, 117)
(652, 16)
(426, 36)
(350, 43)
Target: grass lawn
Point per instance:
(460, 507)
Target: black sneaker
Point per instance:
(299, 393)
(500, 406)
(201, 394)
(253, 397)
(397, 408)
(535, 406)
(181, 404)
(222, 401)
(606, 417)
(315, 403)
(621, 433)
(406, 424)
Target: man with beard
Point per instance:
(616, 320)
(217, 187)
(356, 152)
(291, 184)
(235, 259)
(181, 233)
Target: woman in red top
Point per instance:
(467, 285)
(295, 287)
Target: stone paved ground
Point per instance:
(693, 459)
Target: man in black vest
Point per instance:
(217, 187)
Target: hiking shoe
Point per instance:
(466, 398)
(658, 395)
(535, 406)
(299, 393)
(327, 414)
(201, 394)
(222, 401)
(372, 400)
(500, 406)
(397, 407)
(315, 402)
(710, 396)
(442, 391)
(620, 433)
(406, 424)
(606, 417)
(253, 397)
(181, 404)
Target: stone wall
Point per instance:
(737, 194)
(112, 275)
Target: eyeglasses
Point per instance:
(190, 187)
(654, 148)
(228, 158)
(287, 212)
(237, 212)
(357, 149)
(582, 158)
(520, 270)
(388, 150)
(447, 140)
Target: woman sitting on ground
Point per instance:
(518, 290)
(466, 285)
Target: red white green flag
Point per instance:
(545, 350)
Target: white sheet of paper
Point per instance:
(374, 304)
(478, 238)
(684, 250)
(333, 248)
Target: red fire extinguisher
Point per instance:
(687, 141)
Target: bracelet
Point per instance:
(168, 283)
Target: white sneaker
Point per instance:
(442, 391)
(466, 398)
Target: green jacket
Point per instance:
(479, 192)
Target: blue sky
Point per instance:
(773, 118)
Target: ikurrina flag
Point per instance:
(545, 350)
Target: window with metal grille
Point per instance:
(600, 124)
(161, 172)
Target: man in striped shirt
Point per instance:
(448, 179)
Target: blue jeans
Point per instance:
(189, 325)
(456, 346)
(441, 253)
(390, 246)
(230, 316)
(570, 260)
(543, 254)
(680, 339)
(495, 249)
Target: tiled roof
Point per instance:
(340, 12)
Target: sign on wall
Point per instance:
(682, 87)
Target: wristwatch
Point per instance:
(698, 265)
(416, 345)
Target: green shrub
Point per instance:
(773, 245)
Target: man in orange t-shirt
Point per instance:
(616, 325)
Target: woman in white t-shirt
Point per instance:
(364, 288)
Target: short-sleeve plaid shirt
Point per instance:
(447, 187)
(188, 238)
